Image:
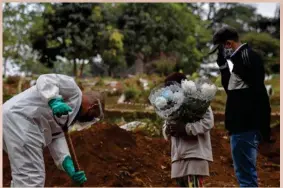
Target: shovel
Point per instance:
(69, 142)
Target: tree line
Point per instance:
(66, 37)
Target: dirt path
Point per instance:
(113, 157)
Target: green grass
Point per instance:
(139, 108)
(135, 92)
(218, 104)
(275, 98)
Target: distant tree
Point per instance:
(79, 31)
(171, 28)
(237, 15)
(267, 46)
(17, 21)
(110, 43)
(269, 25)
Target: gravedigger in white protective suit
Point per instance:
(29, 125)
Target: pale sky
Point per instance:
(266, 9)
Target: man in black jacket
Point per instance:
(247, 113)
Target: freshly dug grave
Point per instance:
(112, 156)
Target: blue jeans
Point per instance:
(244, 153)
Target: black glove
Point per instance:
(220, 57)
(177, 129)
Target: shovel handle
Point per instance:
(72, 152)
(69, 142)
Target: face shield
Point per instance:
(90, 117)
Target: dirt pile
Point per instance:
(113, 157)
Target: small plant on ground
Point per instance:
(164, 66)
(100, 82)
(132, 93)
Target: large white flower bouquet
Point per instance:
(187, 101)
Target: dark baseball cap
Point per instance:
(222, 35)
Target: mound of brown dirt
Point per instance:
(111, 156)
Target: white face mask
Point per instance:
(227, 52)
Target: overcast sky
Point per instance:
(266, 9)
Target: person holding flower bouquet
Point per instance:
(191, 149)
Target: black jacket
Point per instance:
(247, 105)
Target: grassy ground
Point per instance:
(218, 104)
(275, 98)
(134, 92)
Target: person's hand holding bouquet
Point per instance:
(177, 129)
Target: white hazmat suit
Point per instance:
(29, 126)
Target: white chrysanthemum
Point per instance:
(189, 86)
(178, 97)
(208, 91)
(205, 86)
(167, 94)
(160, 102)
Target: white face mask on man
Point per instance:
(227, 49)
(227, 52)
